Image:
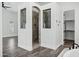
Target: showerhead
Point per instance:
(4, 6)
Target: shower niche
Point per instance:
(23, 18)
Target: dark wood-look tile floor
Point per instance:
(10, 49)
(68, 43)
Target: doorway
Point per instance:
(35, 27)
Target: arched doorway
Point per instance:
(35, 27)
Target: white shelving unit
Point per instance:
(69, 24)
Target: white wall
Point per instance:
(77, 24)
(25, 35)
(10, 24)
(52, 38)
(0, 29)
(75, 6)
(48, 37)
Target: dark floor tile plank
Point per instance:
(16, 51)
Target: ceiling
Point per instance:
(42, 3)
(14, 5)
(11, 5)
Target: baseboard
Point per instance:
(25, 48)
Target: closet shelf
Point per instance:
(69, 20)
(69, 31)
